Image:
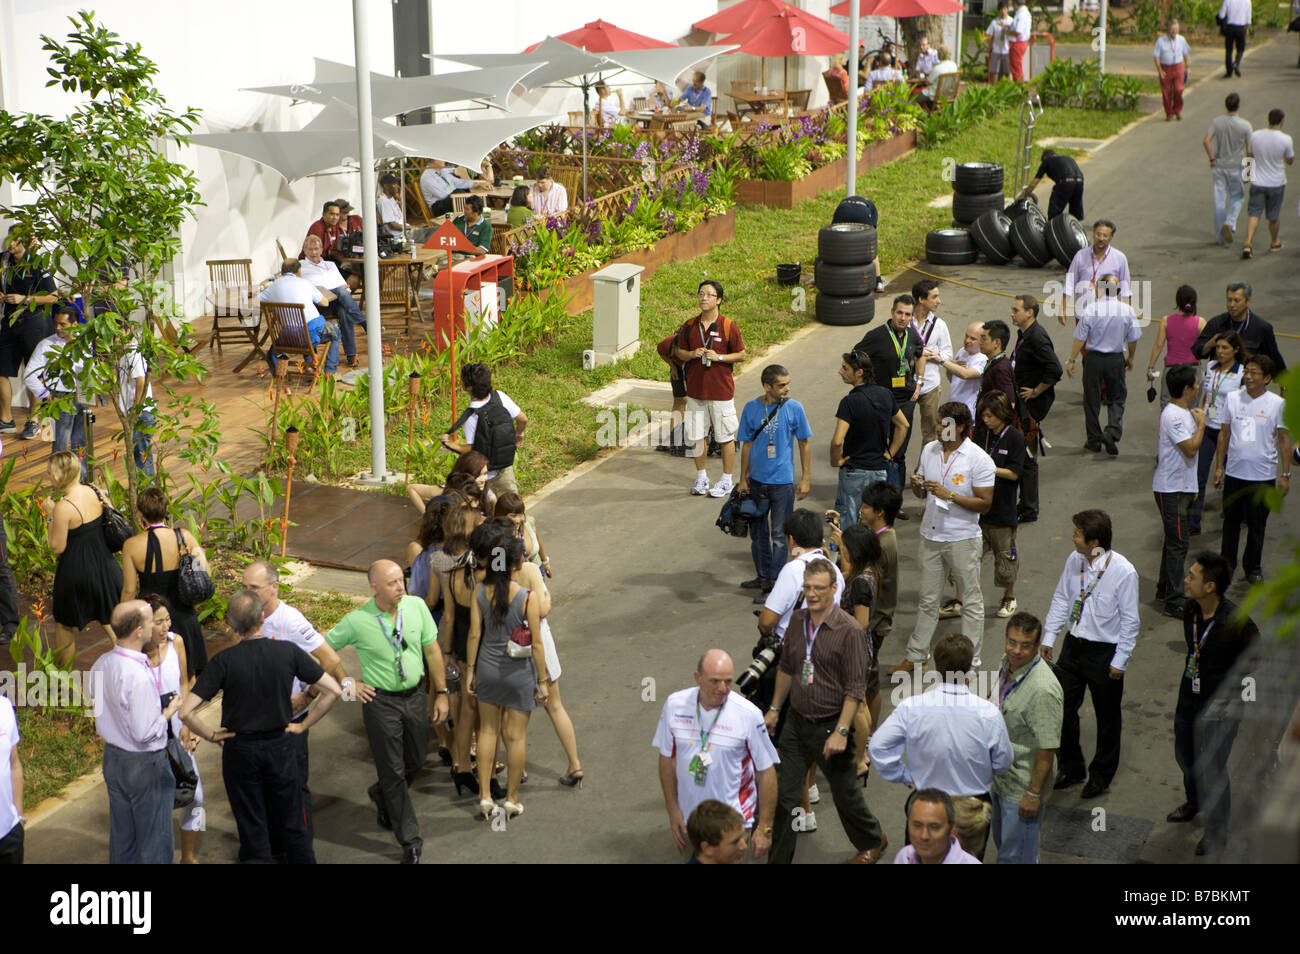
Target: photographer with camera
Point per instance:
(702, 756)
(823, 674)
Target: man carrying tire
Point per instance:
(1067, 191)
(898, 363)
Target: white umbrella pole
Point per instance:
(852, 143)
(370, 238)
(957, 39)
(1101, 52)
(585, 109)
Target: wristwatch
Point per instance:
(842, 731)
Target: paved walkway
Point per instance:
(644, 581)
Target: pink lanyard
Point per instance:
(1096, 265)
(156, 673)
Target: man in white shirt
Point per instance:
(926, 58)
(338, 300)
(132, 721)
(955, 478)
(884, 73)
(548, 196)
(1096, 603)
(1252, 442)
(1234, 18)
(1171, 54)
(1182, 429)
(965, 367)
(437, 183)
(133, 388)
(703, 756)
(40, 386)
(1106, 328)
(1022, 24)
(999, 34)
(1225, 144)
(12, 818)
(392, 218)
(477, 379)
(290, 288)
(1270, 151)
(803, 540)
(937, 341)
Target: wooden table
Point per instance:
(758, 102)
(652, 120)
(414, 262)
(502, 193)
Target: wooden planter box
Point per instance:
(785, 195)
(677, 247)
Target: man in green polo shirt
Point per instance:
(396, 639)
(1032, 705)
(473, 225)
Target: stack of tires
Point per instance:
(845, 275)
(976, 191)
(1023, 230)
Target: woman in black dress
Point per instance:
(88, 580)
(150, 564)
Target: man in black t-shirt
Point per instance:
(258, 762)
(863, 444)
(1216, 636)
(1068, 188)
(898, 362)
(1003, 442)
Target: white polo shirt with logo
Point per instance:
(739, 748)
(9, 739)
(966, 468)
(1252, 441)
(1175, 471)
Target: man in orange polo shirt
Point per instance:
(708, 345)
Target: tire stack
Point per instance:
(844, 274)
(977, 191)
(1023, 230)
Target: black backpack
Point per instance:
(494, 436)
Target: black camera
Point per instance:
(766, 653)
(166, 699)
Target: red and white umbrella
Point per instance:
(899, 9)
(791, 31)
(740, 15)
(600, 36)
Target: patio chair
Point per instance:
(458, 203)
(571, 178)
(639, 103)
(287, 327)
(835, 87)
(945, 89)
(798, 99)
(575, 117)
(230, 285)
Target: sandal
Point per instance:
(1275, 246)
(1246, 252)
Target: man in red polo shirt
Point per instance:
(329, 228)
(708, 345)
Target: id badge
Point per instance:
(1196, 685)
(1189, 672)
(699, 771)
(806, 674)
(771, 452)
(1076, 611)
(898, 382)
(942, 504)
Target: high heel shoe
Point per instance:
(512, 808)
(495, 788)
(487, 808)
(444, 755)
(572, 779)
(465, 780)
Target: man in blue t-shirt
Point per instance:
(769, 426)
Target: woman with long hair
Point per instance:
(427, 584)
(467, 476)
(168, 657)
(151, 564)
(507, 688)
(87, 581)
(1224, 374)
(520, 208)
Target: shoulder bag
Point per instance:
(193, 583)
(117, 529)
(520, 644)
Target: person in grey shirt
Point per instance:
(1225, 144)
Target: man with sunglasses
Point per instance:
(396, 640)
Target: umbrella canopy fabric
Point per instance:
(791, 31)
(565, 62)
(900, 9)
(600, 36)
(740, 15)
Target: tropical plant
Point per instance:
(1083, 84)
(28, 548)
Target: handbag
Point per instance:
(182, 765)
(520, 644)
(117, 529)
(193, 583)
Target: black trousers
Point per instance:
(1028, 482)
(1104, 370)
(261, 775)
(1202, 755)
(1233, 36)
(1175, 512)
(300, 748)
(1243, 501)
(1084, 664)
(801, 745)
(8, 591)
(397, 726)
(1066, 193)
(909, 410)
(11, 847)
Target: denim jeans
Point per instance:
(1230, 191)
(1204, 462)
(1016, 837)
(346, 310)
(848, 495)
(70, 428)
(141, 790)
(767, 533)
(320, 331)
(141, 441)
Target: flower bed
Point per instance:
(780, 194)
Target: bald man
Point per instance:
(396, 641)
(713, 745)
(965, 367)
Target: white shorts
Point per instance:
(700, 414)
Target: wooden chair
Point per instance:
(287, 331)
(639, 103)
(458, 203)
(571, 178)
(397, 292)
(683, 125)
(835, 87)
(798, 99)
(713, 116)
(945, 89)
(575, 117)
(230, 286)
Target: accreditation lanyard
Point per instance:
(1076, 612)
(952, 462)
(1096, 266)
(396, 640)
(1005, 690)
(156, 673)
(810, 637)
(1194, 661)
(902, 362)
(1215, 388)
(927, 331)
(700, 762)
(996, 444)
(989, 364)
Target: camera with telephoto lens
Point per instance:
(766, 653)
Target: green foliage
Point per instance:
(30, 556)
(783, 161)
(1067, 83)
(976, 105)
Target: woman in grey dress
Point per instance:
(507, 689)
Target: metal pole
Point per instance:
(851, 140)
(585, 110)
(1101, 52)
(370, 238)
(957, 40)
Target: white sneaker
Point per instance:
(1008, 608)
(814, 796)
(701, 486)
(809, 822)
(722, 488)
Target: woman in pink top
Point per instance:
(1178, 330)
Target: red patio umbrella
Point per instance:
(600, 36)
(790, 31)
(899, 9)
(740, 15)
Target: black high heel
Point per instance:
(571, 779)
(495, 788)
(465, 780)
(444, 754)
